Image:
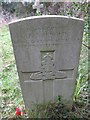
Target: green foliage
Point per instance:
(11, 92)
(83, 64)
(59, 109)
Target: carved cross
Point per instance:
(37, 6)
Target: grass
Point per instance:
(11, 92)
(59, 109)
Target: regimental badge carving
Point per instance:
(48, 71)
(47, 67)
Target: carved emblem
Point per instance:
(48, 71)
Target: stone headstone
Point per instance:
(47, 50)
(37, 6)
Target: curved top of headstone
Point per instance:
(46, 16)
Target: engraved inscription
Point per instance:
(51, 36)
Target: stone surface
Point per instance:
(47, 50)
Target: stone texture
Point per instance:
(47, 50)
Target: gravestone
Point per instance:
(47, 51)
(37, 6)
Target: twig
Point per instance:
(86, 46)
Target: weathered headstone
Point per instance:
(37, 6)
(47, 50)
